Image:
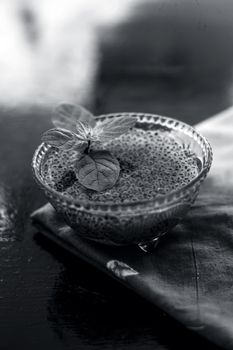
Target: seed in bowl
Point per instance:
(152, 163)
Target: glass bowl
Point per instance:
(142, 222)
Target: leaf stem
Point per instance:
(87, 150)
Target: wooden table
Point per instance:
(157, 62)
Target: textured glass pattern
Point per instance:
(138, 222)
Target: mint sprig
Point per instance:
(77, 129)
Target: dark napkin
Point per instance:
(190, 274)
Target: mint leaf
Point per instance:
(66, 115)
(113, 128)
(85, 132)
(97, 170)
(77, 129)
(59, 138)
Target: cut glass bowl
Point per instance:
(142, 222)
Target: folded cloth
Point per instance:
(190, 274)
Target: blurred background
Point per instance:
(171, 57)
(49, 49)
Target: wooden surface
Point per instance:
(160, 62)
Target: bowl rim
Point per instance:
(159, 201)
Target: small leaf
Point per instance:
(59, 138)
(113, 128)
(98, 170)
(83, 130)
(80, 146)
(66, 115)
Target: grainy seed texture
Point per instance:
(152, 163)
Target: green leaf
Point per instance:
(66, 115)
(80, 146)
(98, 170)
(113, 128)
(59, 138)
(83, 130)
